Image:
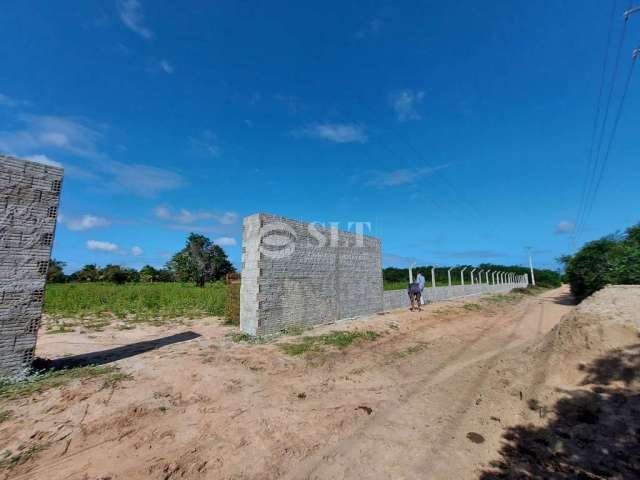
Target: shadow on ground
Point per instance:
(595, 432)
(566, 299)
(103, 357)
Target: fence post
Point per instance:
(462, 276)
(433, 277)
(449, 275)
(472, 275)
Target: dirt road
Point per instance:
(429, 398)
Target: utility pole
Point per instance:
(533, 278)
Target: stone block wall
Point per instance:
(299, 274)
(394, 299)
(29, 197)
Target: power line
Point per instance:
(597, 159)
(596, 117)
(613, 132)
(599, 166)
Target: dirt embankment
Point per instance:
(464, 389)
(584, 385)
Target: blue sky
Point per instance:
(461, 132)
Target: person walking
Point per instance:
(414, 296)
(420, 281)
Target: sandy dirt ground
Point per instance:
(430, 398)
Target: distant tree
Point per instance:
(614, 259)
(166, 275)
(148, 274)
(55, 274)
(114, 274)
(88, 273)
(200, 261)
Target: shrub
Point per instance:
(614, 259)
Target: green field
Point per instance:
(139, 301)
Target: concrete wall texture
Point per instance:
(29, 197)
(299, 274)
(400, 299)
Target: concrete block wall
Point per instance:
(394, 299)
(29, 198)
(291, 277)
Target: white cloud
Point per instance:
(404, 176)
(85, 222)
(162, 213)
(565, 227)
(334, 132)
(101, 246)
(6, 101)
(184, 216)
(46, 132)
(405, 104)
(142, 180)
(166, 67)
(228, 218)
(77, 137)
(44, 160)
(225, 241)
(136, 251)
(131, 15)
(206, 143)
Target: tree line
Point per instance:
(544, 277)
(200, 261)
(614, 259)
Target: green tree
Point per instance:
(166, 275)
(148, 274)
(114, 274)
(200, 261)
(614, 259)
(55, 274)
(88, 273)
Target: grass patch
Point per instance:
(293, 330)
(472, 307)
(4, 415)
(503, 298)
(40, 382)
(245, 337)
(232, 305)
(338, 339)
(395, 285)
(139, 302)
(25, 453)
(413, 349)
(512, 297)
